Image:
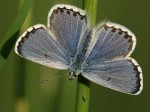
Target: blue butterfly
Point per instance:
(100, 54)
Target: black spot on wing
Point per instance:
(67, 11)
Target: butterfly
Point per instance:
(99, 53)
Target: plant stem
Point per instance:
(13, 31)
(82, 106)
(91, 9)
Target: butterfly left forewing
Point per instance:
(37, 44)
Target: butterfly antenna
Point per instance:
(78, 87)
(53, 78)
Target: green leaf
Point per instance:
(13, 31)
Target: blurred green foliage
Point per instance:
(20, 90)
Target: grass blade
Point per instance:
(13, 31)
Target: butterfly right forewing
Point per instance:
(111, 41)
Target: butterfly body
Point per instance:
(80, 58)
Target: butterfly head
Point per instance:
(72, 75)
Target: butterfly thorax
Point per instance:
(79, 60)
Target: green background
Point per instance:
(20, 90)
